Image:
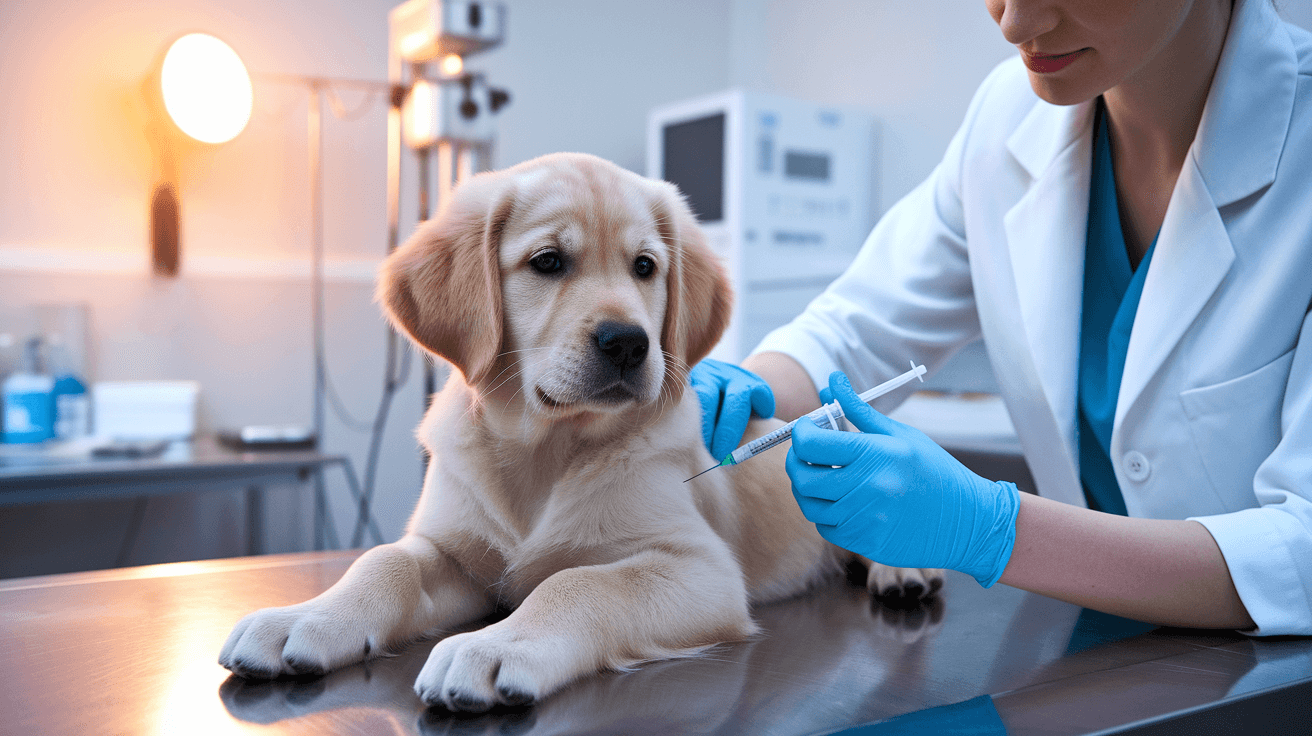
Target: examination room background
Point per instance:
(76, 170)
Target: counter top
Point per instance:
(134, 651)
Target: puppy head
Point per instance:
(575, 285)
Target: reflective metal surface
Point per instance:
(133, 652)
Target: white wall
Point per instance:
(584, 73)
(915, 65)
(76, 168)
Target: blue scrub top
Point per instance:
(1112, 288)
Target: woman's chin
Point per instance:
(1062, 92)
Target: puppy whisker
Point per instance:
(511, 365)
(524, 350)
(478, 400)
(680, 369)
(512, 377)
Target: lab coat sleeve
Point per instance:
(1269, 548)
(907, 296)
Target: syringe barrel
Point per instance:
(826, 416)
(763, 443)
(822, 418)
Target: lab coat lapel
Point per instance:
(1192, 257)
(1235, 154)
(1046, 232)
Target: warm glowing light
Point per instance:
(452, 65)
(206, 89)
(419, 115)
(412, 43)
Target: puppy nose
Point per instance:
(625, 345)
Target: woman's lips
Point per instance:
(1049, 63)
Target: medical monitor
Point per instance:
(783, 189)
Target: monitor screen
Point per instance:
(694, 161)
(810, 166)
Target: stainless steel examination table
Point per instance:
(133, 651)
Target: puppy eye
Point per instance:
(548, 262)
(644, 266)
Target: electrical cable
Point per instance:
(341, 412)
(339, 110)
(395, 377)
(397, 369)
(353, 484)
(325, 531)
(323, 386)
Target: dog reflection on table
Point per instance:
(571, 296)
(822, 660)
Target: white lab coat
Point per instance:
(1214, 416)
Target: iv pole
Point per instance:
(452, 119)
(420, 31)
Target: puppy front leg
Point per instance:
(653, 605)
(392, 594)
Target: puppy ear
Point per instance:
(442, 288)
(699, 298)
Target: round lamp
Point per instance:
(207, 94)
(206, 88)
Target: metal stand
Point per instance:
(459, 106)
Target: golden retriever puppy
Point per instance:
(571, 297)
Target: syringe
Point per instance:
(826, 416)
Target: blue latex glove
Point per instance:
(729, 396)
(893, 495)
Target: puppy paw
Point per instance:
(906, 585)
(295, 640)
(479, 670)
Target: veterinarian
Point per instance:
(1125, 218)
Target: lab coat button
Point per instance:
(1136, 466)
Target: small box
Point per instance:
(269, 437)
(145, 410)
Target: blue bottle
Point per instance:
(29, 414)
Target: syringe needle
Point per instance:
(704, 472)
(728, 460)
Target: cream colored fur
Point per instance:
(556, 487)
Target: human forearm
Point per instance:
(1165, 572)
(794, 394)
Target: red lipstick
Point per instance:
(1049, 63)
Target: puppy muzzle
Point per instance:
(615, 372)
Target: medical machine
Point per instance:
(783, 189)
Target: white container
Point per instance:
(145, 410)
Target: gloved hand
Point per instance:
(729, 396)
(898, 498)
